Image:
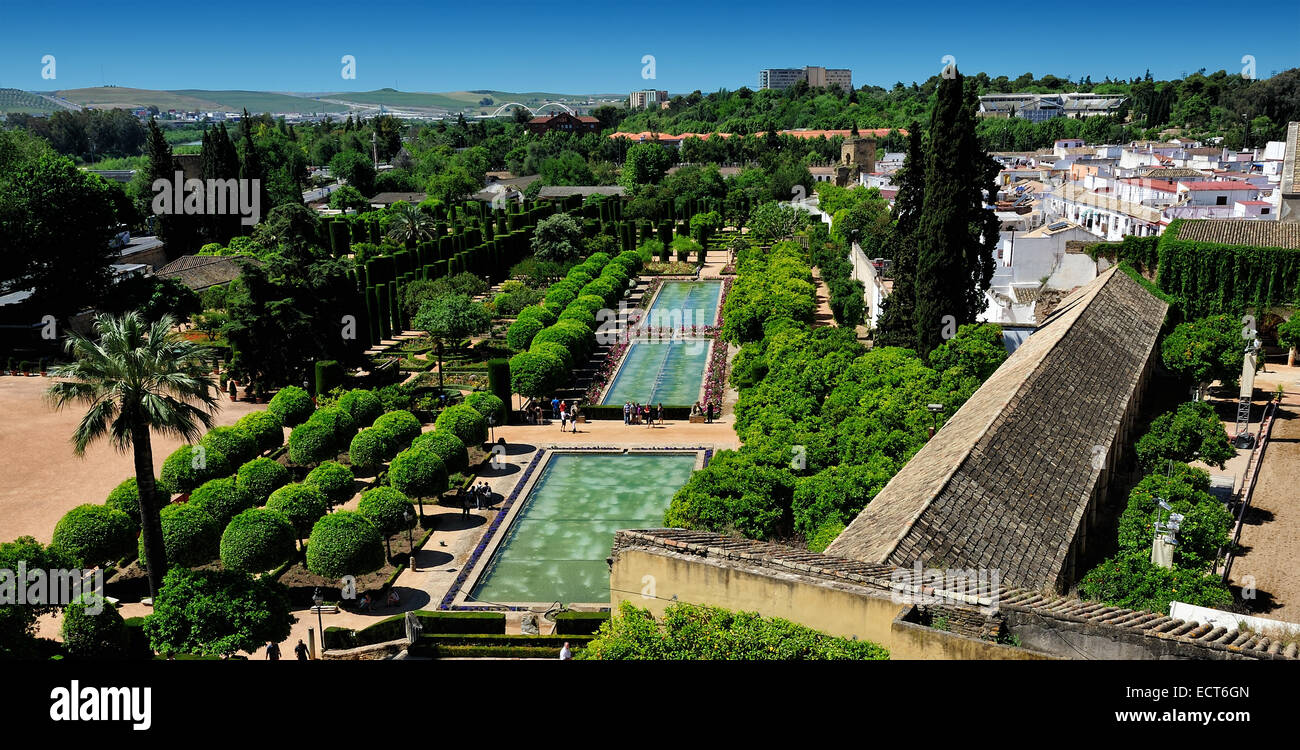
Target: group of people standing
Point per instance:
(566, 412)
(706, 412)
(480, 495)
(643, 413)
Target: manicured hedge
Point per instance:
(488, 405)
(344, 543)
(446, 446)
(126, 498)
(256, 541)
(366, 451)
(397, 429)
(386, 508)
(432, 622)
(99, 636)
(266, 429)
(292, 406)
(536, 374)
(191, 535)
(222, 498)
(555, 349)
(94, 535)
(236, 443)
(364, 406)
(418, 472)
(191, 465)
(301, 503)
(260, 477)
(313, 442)
(579, 623)
(521, 332)
(464, 422)
(334, 479)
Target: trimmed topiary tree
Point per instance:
(266, 429)
(386, 508)
(397, 429)
(498, 372)
(303, 504)
(95, 535)
(222, 498)
(191, 535)
(366, 452)
(447, 447)
(464, 422)
(312, 442)
(126, 498)
(488, 405)
(256, 541)
(258, 478)
(536, 374)
(538, 313)
(235, 443)
(334, 479)
(93, 629)
(418, 472)
(191, 465)
(521, 332)
(363, 405)
(343, 544)
(336, 419)
(557, 350)
(292, 406)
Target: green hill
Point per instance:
(17, 100)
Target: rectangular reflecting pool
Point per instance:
(555, 548)
(668, 371)
(685, 304)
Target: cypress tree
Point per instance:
(251, 168)
(220, 161)
(175, 228)
(897, 324)
(956, 234)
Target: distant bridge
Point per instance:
(534, 112)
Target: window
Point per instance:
(1263, 212)
(1221, 200)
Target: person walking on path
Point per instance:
(627, 412)
(564, 418)
(661, 414)
(233, 387)
(464, 503)
(555, 407)
(573, 417)
(565, 653)
(708, 413)
(272, 651)
(301, 651)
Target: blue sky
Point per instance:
(589, 47)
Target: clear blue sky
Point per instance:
(590, 47)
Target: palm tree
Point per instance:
(137, 377)
(408, 225)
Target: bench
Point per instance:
(328, 609)
(697, 419)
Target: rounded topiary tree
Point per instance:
(488, 405)
(397, 429)
(222, 498)
(191, 535)
(364, 406)
(334, 479)
(302, 504)
(191, 465)
(257, 540)
(336, 419)
(312, 442)
(387, 508)
(366, 452)
(536, 374)
(95, 535)
(446, 446)
(559, 351)
(93, 629)
(343, 544)
(235, 443)
(464, 422)
(292, 406)
(266, 429)
(521, 332)
(565, 334)
(258, 478)
(538, 313)
(590, 302)
(580, 314)
(418, 472)
(126, 498)
(561, 295)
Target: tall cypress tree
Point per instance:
(220, 161)
(897, 325)
(174, 228)
(251, 168)
(957, 234)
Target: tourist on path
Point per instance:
(555, 407)
(272, 651)
(661, 413)
(565, 653)
(708, 413)
(301, 651)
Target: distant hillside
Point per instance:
(17, 100)
(118, 97)
(262, 101)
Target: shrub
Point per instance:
(488, 405)
(557, 350)
(344, 543)
(364, 406)
(334, 479)
(302, 504)
(536, 374)
(397, 429)
(564, 335)
(604, 289)
(266, 429)
(338, 420)
(589, 302)
(256, 540)
(464, 422)
(366, 451)
(1192, 431)
(192, 614)
(97, 634)
(292, 406)
(386, 508)
(561, 294)
(538, 313)
(521, 332)
(191, 465)
(312, 442)
(236, 443)
(222, 498)
(1131, 580)
(418, 472)
(447, 447)
(191, 535)
(579, 314)
(260, 477)
(126, 498)
(94, 535)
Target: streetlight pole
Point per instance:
(935, 410)
(320, 623)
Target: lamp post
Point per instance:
(409, 517)
(935, 410)
(492, 423)
(320, 623)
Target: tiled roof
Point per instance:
(774, 559)
(1004, 484)
(1242, 232)
(1078, 194)
(391, 198)
(561, 191)
(198, 272)
(1217, 185)
(1161, 173)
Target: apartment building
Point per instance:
(816, 77)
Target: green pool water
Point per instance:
(556, 548)
(667, 371)
(685, 304)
